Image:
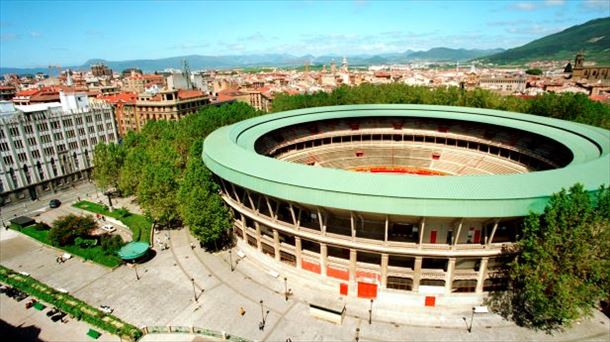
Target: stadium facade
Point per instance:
(397, 198)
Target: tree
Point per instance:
(534, 71)
(562, 269)
(108, 160)
(568, 67)
(67, 228)
(111, 244)
(200, 204)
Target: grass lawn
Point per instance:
(139, 225)
(95, 254)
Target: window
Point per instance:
(58, 136)
(35, 154)
(369, 258)
(268, 249)
(22, 157)
(338, 252)
(432, 282)
(437, 264)
(399, 283)
(4, 146)
(401, 261)
(464, 286)
(8, 160)
(31, 141)
(14, 131)
(28, 129)
(288, 258)
(311, 246)
(18, 144)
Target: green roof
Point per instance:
(133, 250)
(229, 153)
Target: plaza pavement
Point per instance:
(165, 295)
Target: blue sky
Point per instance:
(39, 33)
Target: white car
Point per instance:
(106, 309)
(108, 228)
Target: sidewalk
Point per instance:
(391, 319)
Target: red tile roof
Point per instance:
(189, 94)
(126, 97)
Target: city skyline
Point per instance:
(149, 30)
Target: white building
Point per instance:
(48, 146)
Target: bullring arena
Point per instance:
(397, 199)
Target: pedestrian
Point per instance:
(242, 311)
(192, 245)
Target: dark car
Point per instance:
(54, 203)
(52, 312)
(59, 316)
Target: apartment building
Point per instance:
(47, 146)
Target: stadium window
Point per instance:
(354, 126)
(386, 137)
(401, 261)
(336, 139)
(268, 249)
(473, 145)
(311, 246)
(418, 138)
(326, 141)
(464, 286)
(252, 241)
(356, 138)
(429, 139)
(408, 137)
(369, 258)
(493, 150)
(287, 239)
(495, 284)
(376, 137)
(451, 142)
(399, 283)
(441, 140)
(462, 143)
(504, 153)
(288, 258)
(468, 264)
(338, 252)
(434, 264)
(484, 148)
(397, 137)
(238, 232)
(432, 282)
(266, 231)
(366, 137)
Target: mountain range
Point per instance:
(197, 62)
(592, 37)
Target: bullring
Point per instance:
(397, 198)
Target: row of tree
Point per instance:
(162, 166)
(568, 106)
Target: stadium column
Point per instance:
(297, 248)
(322, 223)
(385, 234)
(457, 235)
(323, 257)
(416, 273)
(421, 232)
(352, 225)
(243, 227)
(352, 265)
(276, 244)
(294, 218)
(384, 270)
(481, 275)
(449, 275)
(259, 244)
(493, 232)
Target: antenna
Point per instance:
(186, 71)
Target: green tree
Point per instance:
(562, 269)
(534, 71)
(200, 204)
(111, 244)
(67, 228)
(108, 160)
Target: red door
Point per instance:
(367, 290)
(433, 236)
(477, 236)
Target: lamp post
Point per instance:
(194, 291)
(135, 268)
(261, 326)
(286, 288)
(357, 334)
(231, 260)
(371, 312)
(471, 319)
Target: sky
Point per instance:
(40, 33)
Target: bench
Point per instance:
(331, 314)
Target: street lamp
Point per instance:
(135, 268)
(357, 334)
(231, 260)
(371, 312)
(194, 291)
(286, 288)
(471, 319)
(261, 325)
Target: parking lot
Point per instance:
(31, 324)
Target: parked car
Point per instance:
(52, 312)
(54, 203)
(20, 296)
(59, 316)
(108, 228)
(30, 303)
(106, 309)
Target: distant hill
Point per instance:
(593, 37)
(441, 54)
(198, 62)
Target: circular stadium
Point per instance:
(391, 199)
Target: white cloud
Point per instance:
(597, 5)
(8, 36)
(554, 2)
(525, 6)
(35, 34)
